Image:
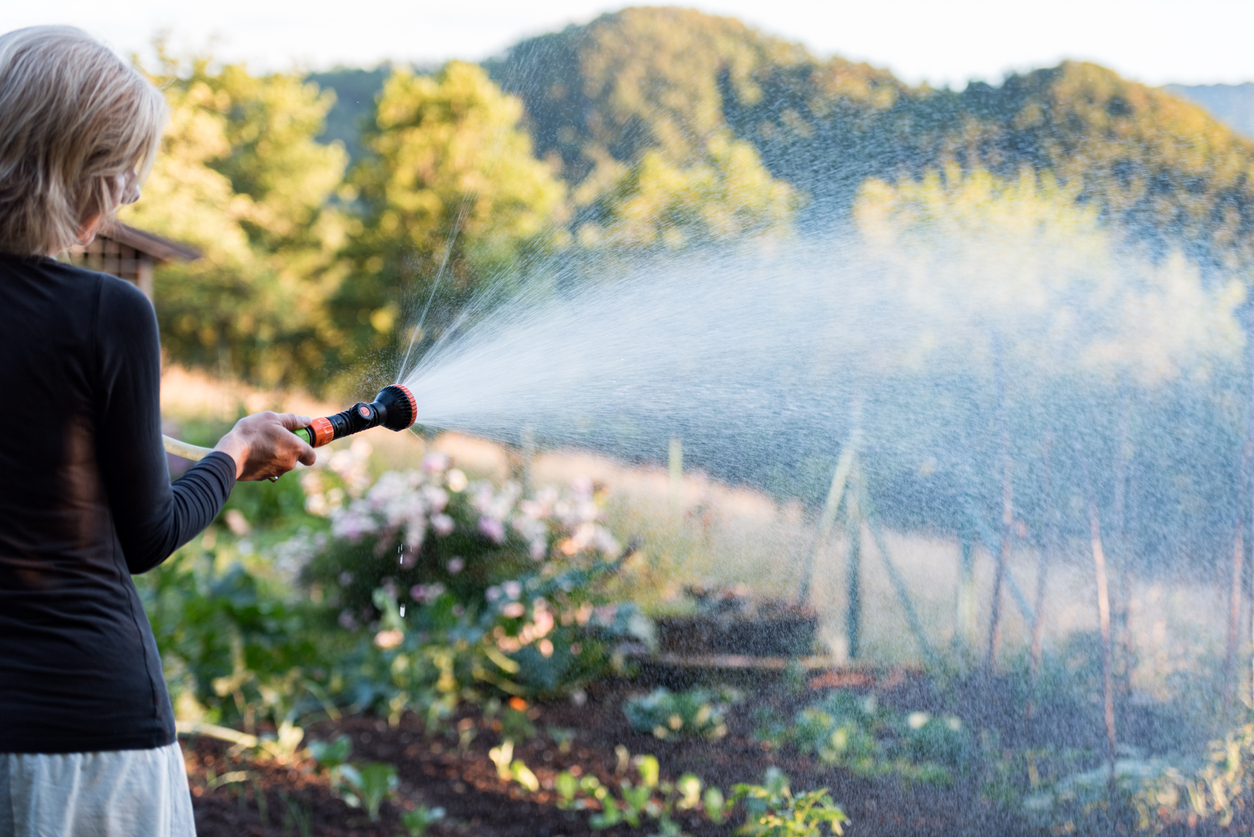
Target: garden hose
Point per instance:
(394, 408)
(193, 452)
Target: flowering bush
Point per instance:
(427, 557)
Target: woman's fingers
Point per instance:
(273, 449)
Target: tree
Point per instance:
(725, 196)
(974, 254)
(241, 178)
(450, 196)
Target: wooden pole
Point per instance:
(853, 577)
(965, 606)
(828, 518)
(1007, 516)
(1042, 574)
(1103, 615)
(899, 584)
(1238, 557)
(1121, 614)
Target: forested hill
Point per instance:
(671, 82)
(655, 78)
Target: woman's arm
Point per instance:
(152, 517)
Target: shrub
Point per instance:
(859, 734)
(420, 534)
(694, 713)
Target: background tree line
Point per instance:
(335, 210)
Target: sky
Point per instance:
(942, 42)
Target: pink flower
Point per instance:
(512, 589)
(512, 610)
(456, 565)
(492, 529)
(434, 463)
(425, 593)
(442, 524)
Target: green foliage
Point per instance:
(1161, 795)
(331, 754)
(868, 739)
(724, 196)
(366, 786)
(771, 809)
(599, 96)
(513, 583)
(418, 821)
(241, 177)
(449, 193)
(234, 650)
(1028, 265)
(694, 713)
(1158, 166)
(651, 800)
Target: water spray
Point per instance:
(394, 408)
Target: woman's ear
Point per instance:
(87, 233)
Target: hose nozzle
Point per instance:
(394, 408)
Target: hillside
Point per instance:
(668, 80)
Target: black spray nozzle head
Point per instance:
(397, 406)
(394, 408)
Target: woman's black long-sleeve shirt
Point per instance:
(85, 501)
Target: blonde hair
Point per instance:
(74, 120)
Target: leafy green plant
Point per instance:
(503, 756)
(296, 815)
(513, 583)
(650, 799)
(694, 713)
(331, 754)
(860, 735)
(366, 786)
(771, 809)
(419, 820)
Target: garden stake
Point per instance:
(1042, 572)
(828, 518)
(899, 584)
(1007, 511)
(1103, 614)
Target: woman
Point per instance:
(87, 742)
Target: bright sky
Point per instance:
(940, 41)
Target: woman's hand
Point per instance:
(264, 446)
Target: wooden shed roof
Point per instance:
(161, 249)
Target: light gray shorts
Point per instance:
(126, 793)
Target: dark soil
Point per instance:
(450, 768)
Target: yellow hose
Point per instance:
(193, 452)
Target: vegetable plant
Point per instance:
(366, 786)
(696, 713)
(860, 735)
(419, 820)
(772, 810)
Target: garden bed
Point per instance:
(455, 772)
